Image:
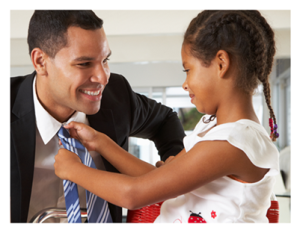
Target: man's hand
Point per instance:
(161, 163)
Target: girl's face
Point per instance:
(200, 82)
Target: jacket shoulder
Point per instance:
(118, 87)
(20, 89)
(117, 79)
(15, 83)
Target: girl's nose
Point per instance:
(185, 86)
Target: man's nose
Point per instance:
(101, 75)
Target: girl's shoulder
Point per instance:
(250, 137)
(240, 129)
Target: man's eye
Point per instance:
(105, 60)
(84, 64)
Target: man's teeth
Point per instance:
(91, 92)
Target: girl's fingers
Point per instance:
(68, 126)
(170, 159)
(73, 124)
(159, 163)
(73, 133)
(72, 129)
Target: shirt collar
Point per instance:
(47, 125)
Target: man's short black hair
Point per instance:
(48, 28)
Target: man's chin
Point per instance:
(90, 111)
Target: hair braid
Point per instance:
(267, 94)
(269, 36)
(270, 42)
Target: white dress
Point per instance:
(224, 199)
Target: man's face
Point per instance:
(79, 72)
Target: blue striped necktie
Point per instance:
(97, 208)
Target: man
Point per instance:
(70, 52)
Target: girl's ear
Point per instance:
(38, 58)
(223, 61)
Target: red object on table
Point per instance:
(147, 214)
(273, 212)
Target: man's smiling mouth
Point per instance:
(92, 93)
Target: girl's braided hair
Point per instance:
(246, 37)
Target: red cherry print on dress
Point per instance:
(213, 214)
(196, 218)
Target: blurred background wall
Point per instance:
(145, 44)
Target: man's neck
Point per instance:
(57, 112)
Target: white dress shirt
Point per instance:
(47, 188)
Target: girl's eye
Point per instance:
(187, 70)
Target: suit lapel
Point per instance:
(23, 134)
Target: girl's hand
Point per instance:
(161, 163)
(85, 134)
(65, 163)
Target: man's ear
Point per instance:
(38, 58)
(223, 62)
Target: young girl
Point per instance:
(226, 171)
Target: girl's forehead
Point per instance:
(185, 47)
(185, 51)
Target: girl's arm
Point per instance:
(170, 158)
(206, 161)
(123, 161)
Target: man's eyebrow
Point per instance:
(85, 58)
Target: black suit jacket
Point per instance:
(123, 113)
